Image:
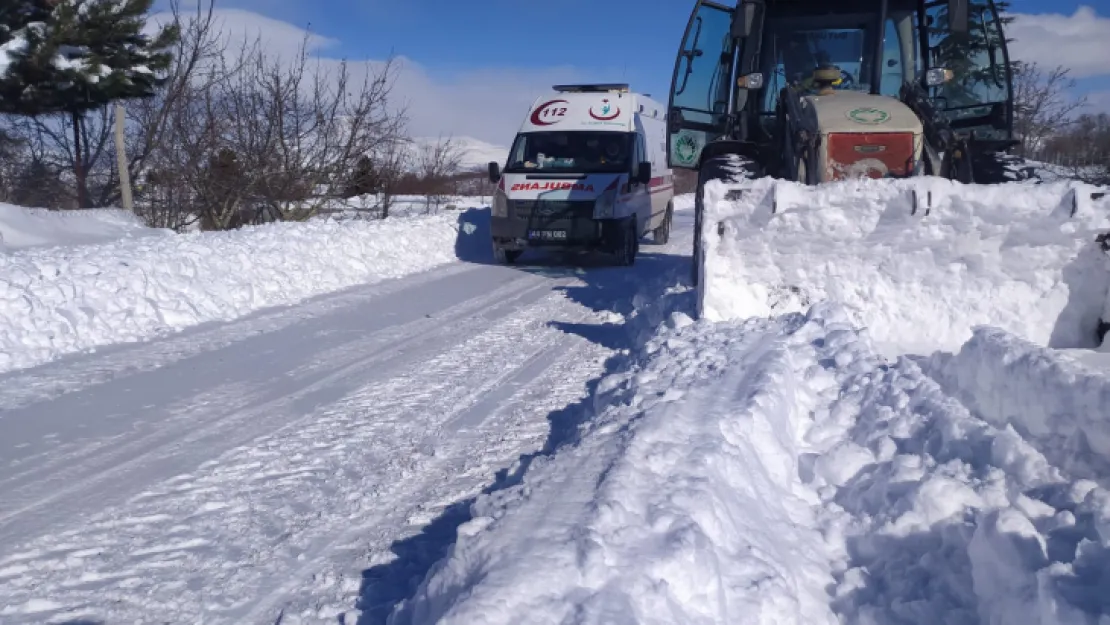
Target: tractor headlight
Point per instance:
(938, 76)
(606, 204)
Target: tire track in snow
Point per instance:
(75, 372)
(65, 484)
(241, 523)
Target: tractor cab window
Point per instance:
(901, 61)
(795, 51)
(980, 84)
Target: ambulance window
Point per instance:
(641, 151)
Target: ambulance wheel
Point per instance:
(662, 234)
(629, 243)
(504, 256)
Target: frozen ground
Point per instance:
(887, 418)
(782, 471)
(308, 461)
(843, 441)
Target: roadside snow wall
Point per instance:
(1042, 393)
(1013, 255)
(23, 228)
(61, 300)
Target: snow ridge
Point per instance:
(919, 263)
(1042, 393)
(779, 471)
(59, 301)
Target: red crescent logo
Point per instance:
(605, 118)
(545, 109)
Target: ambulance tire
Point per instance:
(504, 256)
(628, 243)
(662, 234)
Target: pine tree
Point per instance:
(75, 56)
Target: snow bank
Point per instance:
(22, 228)
(55, 301)
(1046, 396)
(1010, 255)
(779, 471)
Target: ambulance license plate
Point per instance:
(548, 235)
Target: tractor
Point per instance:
(815, 91)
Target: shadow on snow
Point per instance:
(618, 290)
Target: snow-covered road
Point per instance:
(301, 462)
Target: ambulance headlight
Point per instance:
(500, 206)
(605, 205)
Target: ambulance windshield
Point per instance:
(571, 152)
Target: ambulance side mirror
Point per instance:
(643, 173)
(494, 172)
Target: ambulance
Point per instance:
(588, 172)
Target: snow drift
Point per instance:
(918, 270)
(1043, 394)
(779, 471)
(55, 301)
(22, 228)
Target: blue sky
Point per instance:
(532, 43)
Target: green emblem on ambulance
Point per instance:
(869, 116)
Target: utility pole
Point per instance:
(121, 161)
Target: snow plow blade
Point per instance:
(920, 245)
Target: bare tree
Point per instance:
(282, 139)
(1042, 105)
(436, 167)
(1083, 149)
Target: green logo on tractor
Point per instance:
(686, 149)
(869, 116)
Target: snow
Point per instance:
(1042, 393)
(1012, 255)
(779, 470)
(10, 49)
(306, 464)
(883, 415)
(62, 300)
(22, 228)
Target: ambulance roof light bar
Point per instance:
(601, 88)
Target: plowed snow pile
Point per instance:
(60, 299)
(1012, 256)
(780, 471)
(791, 460)
(22, 228)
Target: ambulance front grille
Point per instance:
(552, 210)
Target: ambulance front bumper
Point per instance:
(559, 224)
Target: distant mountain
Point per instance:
(476, 153)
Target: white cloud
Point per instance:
(1080, 41)
(485, 103)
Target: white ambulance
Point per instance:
(587, 171)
